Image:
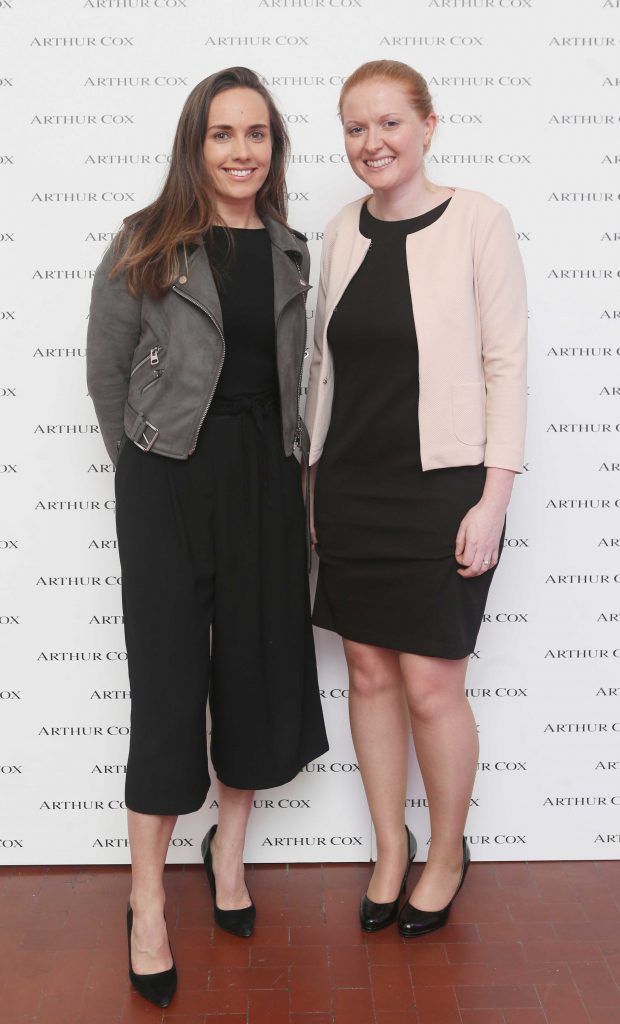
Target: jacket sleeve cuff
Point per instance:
(501, 457)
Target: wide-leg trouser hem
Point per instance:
(272, 783)
(168, 813)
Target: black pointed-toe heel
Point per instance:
(375, 916)
(237, 922)
(157, 988)
(412, 921)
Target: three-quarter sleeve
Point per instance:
(502, 303)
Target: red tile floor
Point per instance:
(527, 943)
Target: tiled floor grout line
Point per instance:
(611, 978)
(372, 991)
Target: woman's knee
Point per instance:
(372, 671)
(434, 689)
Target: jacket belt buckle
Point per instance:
(148, 442)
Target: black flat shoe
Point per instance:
(375, 916)
(237, 922)
(157, 988)
(412, 921)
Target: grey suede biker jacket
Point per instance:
(153, 364)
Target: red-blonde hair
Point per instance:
(411, 82)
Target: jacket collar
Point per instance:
(196, 282)
(283, 238)
(288, 258)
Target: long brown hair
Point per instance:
(185, 210)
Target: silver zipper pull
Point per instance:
(154, 355)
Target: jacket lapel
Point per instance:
(287, 281)
(196, 281)
(287, 257)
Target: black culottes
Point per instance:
(216, 608)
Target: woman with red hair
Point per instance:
(416, 411)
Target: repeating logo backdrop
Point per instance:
(527, 96)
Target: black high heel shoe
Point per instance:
(375, 916)
(158, 988)
(412, 921)
(238, 922)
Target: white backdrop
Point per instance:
(527, 96)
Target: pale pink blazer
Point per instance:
(470, 309)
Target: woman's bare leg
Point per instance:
(380, 730)
(227, 847)
(446, 743)
(149, 837)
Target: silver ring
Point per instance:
(486, 561)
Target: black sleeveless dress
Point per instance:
(386, 529)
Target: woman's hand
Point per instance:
(477, 541)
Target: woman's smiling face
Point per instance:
(237, 145)
(384, 136)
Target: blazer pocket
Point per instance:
(468, 412)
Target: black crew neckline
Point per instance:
(223, 227)
(371, 225)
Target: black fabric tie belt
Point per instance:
(253, 409)
(254, 405)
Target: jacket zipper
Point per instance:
(152, 356)
(204, 309)
(297, 435)
(156, 375)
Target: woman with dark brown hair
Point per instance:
(196, 341)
